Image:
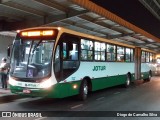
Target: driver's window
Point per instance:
(70, 51)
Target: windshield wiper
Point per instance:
(35, 47)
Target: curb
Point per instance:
(5, 92)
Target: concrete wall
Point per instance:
(4, 42)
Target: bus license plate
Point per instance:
(27, 91)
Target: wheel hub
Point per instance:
(85, 89)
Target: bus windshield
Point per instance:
(31, 58)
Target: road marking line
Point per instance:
(41, 118)
(23, 99)
(100, 98)
(76, 106)
(27, 98)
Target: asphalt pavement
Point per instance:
(140, 97)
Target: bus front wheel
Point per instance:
(83, 90)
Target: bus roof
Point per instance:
(65, 30)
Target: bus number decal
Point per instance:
(99, 68)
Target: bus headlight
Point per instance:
(46, 84)
(11, 81)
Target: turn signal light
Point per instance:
(75, 86)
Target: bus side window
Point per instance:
(111, 52)
(73, 51)
(86, 49)
(64, 51)
(120, 54)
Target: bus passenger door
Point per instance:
(57, 63)
(68, 62)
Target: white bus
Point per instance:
(56, 62)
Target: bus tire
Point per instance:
(83, 93)
(149, 76)
(128, 81)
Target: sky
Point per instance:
(134, 12)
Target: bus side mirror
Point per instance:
(9, 51)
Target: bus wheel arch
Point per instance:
(85, 87)
(149, 76)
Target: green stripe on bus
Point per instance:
(101, 83)
(58, 90)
